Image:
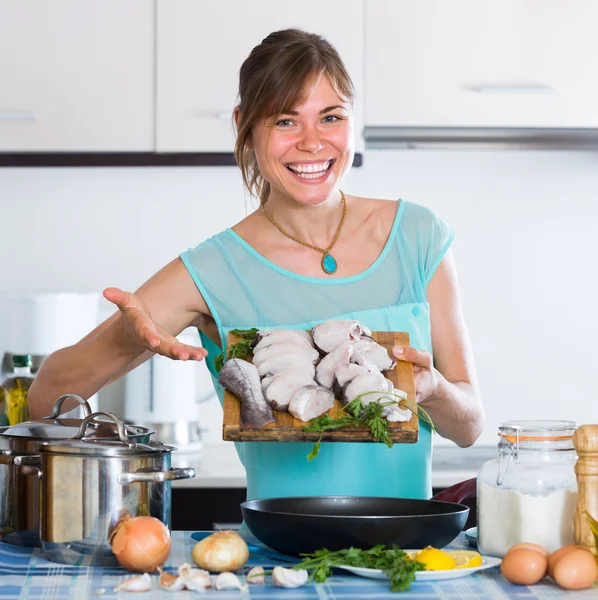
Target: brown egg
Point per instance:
(576, 570)
(531, 546)
(558, 554)
(523, 566)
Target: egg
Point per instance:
(576, 570)
(523, 566)
(558, 554)
(531, 546)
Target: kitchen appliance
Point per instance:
(299, 525)
(163, 394)
(89, 485)
(19, 490)
(41, 323)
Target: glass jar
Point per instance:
(528, 493)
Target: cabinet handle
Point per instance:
(509, 88)
(17, 115)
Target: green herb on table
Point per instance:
(371, 416)
(393, 561)
(242, 349)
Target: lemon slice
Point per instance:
(466, 559)
(435, 560)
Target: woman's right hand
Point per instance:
(138, 324)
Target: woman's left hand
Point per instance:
(426, 376)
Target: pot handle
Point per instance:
(8, 457)
(60, 401)
(155, 476)
(458, 492)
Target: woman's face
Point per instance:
(305, 153)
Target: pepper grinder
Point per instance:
(585, 440)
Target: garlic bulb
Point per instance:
(228, 581)
(256, 575)
(289, 578)
(139, 583)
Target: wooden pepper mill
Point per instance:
(585, 440)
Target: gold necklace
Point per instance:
(329, 264)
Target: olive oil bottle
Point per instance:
(15, 389)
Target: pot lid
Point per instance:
(103, 447)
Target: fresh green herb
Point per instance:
(242, 349)
(393, 561)
(371, 416)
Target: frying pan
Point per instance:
(304, 524)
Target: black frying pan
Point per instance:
(305, 524)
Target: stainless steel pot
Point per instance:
(19, 492)
(88, 485)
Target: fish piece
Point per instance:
(228, 581)
(282, 362)
(310, 402)
(331, 334)
(266, 381)
(243, 379)
(284, 348)
(372, 381)
(256, 576)
(171, 583)
(289, 578)
(284, 384)
(139, 583)
(395, 413)
(279, 336)
(344, 374)
(367, 352)
(327, 366)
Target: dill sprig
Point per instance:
(355, 414)
(396, 563)
(242, 349)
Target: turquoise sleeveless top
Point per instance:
(243, 290)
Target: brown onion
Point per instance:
(141, 544)
(221, 551)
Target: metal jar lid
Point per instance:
(84, 444)
(53, 428)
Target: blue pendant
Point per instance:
(328, 264)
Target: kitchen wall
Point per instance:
(525, 224)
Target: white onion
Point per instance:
(221, 551)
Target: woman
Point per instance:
(309, 253)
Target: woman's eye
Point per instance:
(331, 119)
(284, 123)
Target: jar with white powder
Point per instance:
(528, 493)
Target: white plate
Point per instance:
(487, 563)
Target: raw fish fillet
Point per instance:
(243, 380)
(331, 334)
(367, 352)
(278, 336)
(310, 402)
(263, 354)
(326, 368)
(284, 385)
(282, 362)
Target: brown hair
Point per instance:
(273, 80)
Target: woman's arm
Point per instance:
(146, 323)
(447, 388)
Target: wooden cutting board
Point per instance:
(289, 429)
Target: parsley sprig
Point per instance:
(355, 414)
(393, 561)
(242, 349)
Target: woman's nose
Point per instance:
(310, 140)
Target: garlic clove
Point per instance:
(139, 583)
(169, 582)
(196, 580)
(256, 575)
(228, 581)
(289, 578)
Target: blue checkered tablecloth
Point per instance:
(24, 573)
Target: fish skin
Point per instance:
(243, 380)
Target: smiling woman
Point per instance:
(309, 253)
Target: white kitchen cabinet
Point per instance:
(202, 44)
(482, 63)
(76, 76)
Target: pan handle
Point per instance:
(458, 492)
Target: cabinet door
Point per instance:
(513, 63)
(76, 76)
(201, 46)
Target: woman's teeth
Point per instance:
(311, 171)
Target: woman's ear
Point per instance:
(238, 118)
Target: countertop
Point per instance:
(25, 574)
(218, 466)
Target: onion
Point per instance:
(141, 543)
(221, 551)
